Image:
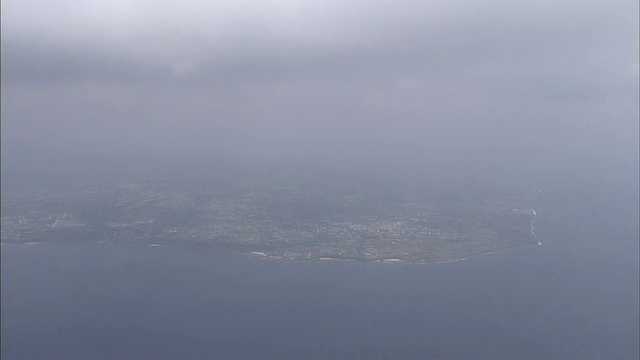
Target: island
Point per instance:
(275, 221)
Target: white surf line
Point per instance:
(474, 255)
(444, 261)
(31, 243)
(471, 257)
(391, 260)
(533, 220)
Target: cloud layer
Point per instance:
(306, 76)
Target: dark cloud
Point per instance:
(27, 63)
(408, 37)
(309, 78)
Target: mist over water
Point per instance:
(569, 298)
(402, 101)
(573, 297)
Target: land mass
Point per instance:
(272, 221)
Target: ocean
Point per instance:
(574, 297)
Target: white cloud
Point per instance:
(169, 31)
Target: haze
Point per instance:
(304, 78)
(385, 103)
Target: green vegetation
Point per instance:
(275, 220)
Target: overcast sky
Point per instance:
(301, 77)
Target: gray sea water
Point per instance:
(574, 297)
